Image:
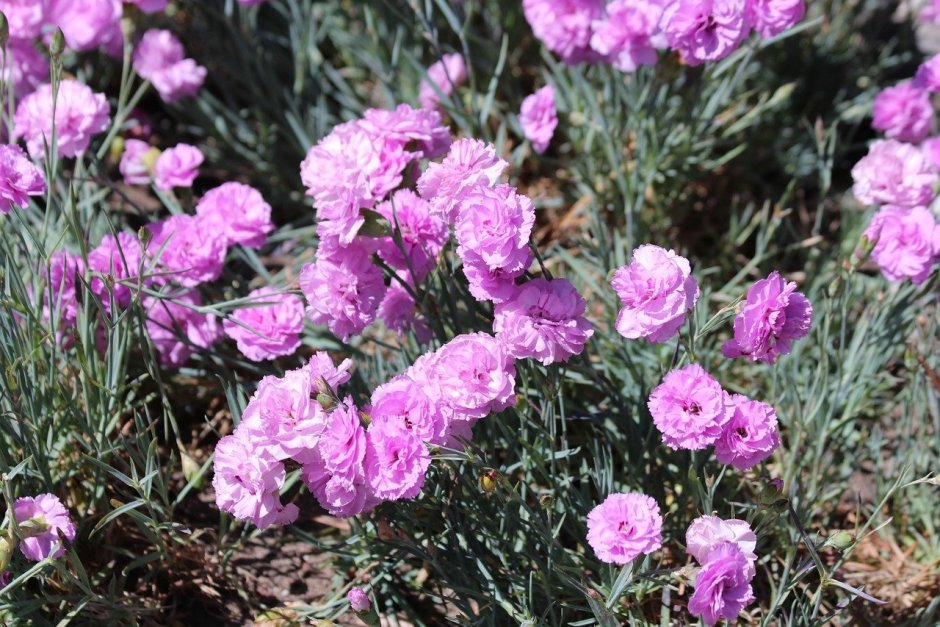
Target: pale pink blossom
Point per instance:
(79, 114)
(177, 167)
(443, 77)
(539, 117)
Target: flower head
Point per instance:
(88, 24)
(690, 409)
(751, 435)
(160, 58)
(772, 17)
(177, 167)
(625, 526)
(421, 235)
(270, 330)
(399, 312)
(722, 587)
(495, 223)
(928, 74)
(396, 459)
(539, 117)
(119, 258)
(177, 330)
(907, 242)
(707, 532)
(903, 112)
(407, 125)
(190, 253)
(358, 600)
(443, 76)
(19, 178)
(404, 400)
(565, 26)
(239, 212)
(45, 509)
(705, 30)
(469, 164)
(26, 68)
(342, 494)
(895, 174)
(79, 114)
(137, 161)
(24, 17)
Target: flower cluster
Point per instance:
(628, 33)
(725, 551)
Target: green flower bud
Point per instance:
(57, 47)
(840, 540)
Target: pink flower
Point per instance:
(903, 112)
(137, 160)
(420, 235)
(657, 289)
(930, 149)
(322, 370)
(488, 284)
(45, 509)
(247, 483)
(189, 252)
(19, 178)
(928, 74)
(150, 6)
(358, 600)
(341, 494)
(772, 17)
(177, 167)
(543, 320)
(625, 526)
(26, 68)
(343, 291)
(88, 24)
(707, 532)
(404, 400)
(564, 26)
(177, 330)
(270, 330)
(751, 436)
(396, 460)
(495, 223)
(406, 124)
(118, 258)
(893, 173)
(930, 13)
(79, 114)
(399, 313)
(907, 242)
(160, 59)
(469, 164)
(24, 17)
(61, 288)
(238, 212)
(722, 587)
(773, 316)
(690, 409)
(705, 30)
(343, 443)
(281, 418)
(444, 76)
(627, 34)
(539, 118)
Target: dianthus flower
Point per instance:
(358, 600)
(751, 436)
(160, 59)
(137, 161)
(495, 223)
(322, 370)
(722, 587)
(893, 173)
(488, 284)
(772, 317)
(79, 114)
(24, 17)
(469, 164)
(177, 167)
(26, 68)
(690, 409)
(707, 532)
(564, 26)
(342, 494)
(403, 399)
(405, 124)
(624, 527)
(657, 290)
(420, 235)
(930, 149)
(189, 252)
(705, 30)
(930, 13)
(247, 483)
(907, 242)
(177, 330)
(627, 34)
(399, 313)
(63, 283)
(396, 459)
(118, 258)
(772, 17)
(539, 117)
(343, 291)
(270, 330)
(543, 320)
(443, 76)
(903, 112)
(88, 24)
(343, 442)
(238, 212)
(19, 178)
(47, 510)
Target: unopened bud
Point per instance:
(326, 402)
(840, 540)
(7, 546)
(149, 158)
(4, 30)
(546, 501)
(144, 235)
(57, 47)
(191, 469)
(116, 149)
(33, 527)
(489, 481)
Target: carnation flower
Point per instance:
(177, 330)
(88, 24)
(19, 178)
(443, 77)
(189, 252)
(24, 17)
(177, 167)
(247, 483)
(722, 587)
(543, 320)
(26, 68)
(406, 124)
(343, 443)
(343, 291)
(705, 30)
(137, 161)
(707, 532)
(238, 212)
(420, 235)
(396, 459)
(44, 509)
(930, 13)
(657, 289)
(117, 258)
(539, 118)
(773, 316)
(160, 59)
(751, 436)
(928, 74)
(404, 400)
(79, 114)
(495, 223)
(893, 173)
(690, 409)
(398, 312)
(907, 242)
(488, 284)
(341, 494)
(150, 6)
(270, 330)
(322, 370)
(564, 26)
(627, 34)
(358, 600)
(469, 164)
(772, 17)
(903, 112)
(625, 526)
(61, 287)
(930, 149)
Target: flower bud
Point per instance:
(57, 46)
(326, 402)
(840, 540)
(489, 481)
(191, 469)
(144, 235)
(7, 546)
(4, 30)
